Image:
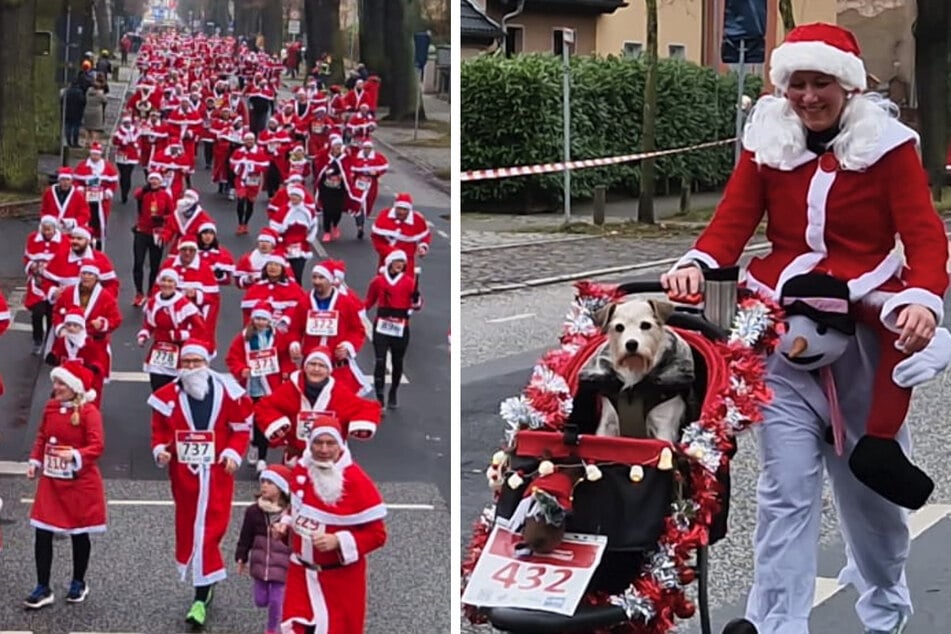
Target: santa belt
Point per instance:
(315, 567)
(341, 363)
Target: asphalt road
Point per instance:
(506, 333)
(133, 580)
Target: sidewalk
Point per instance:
(431, 151)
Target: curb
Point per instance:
(524, 243)
(421, 167)
(20, 209)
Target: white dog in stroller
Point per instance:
(644, 374)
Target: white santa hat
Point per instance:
(191, 195)
(395, 255)
(295, 178)
(198, 349)
(248, 135)
(75, 316)
(819, 47)
(188, 243)
(403, 200)
(274, 258)
(321, 354)
(207, 226)
(279, 475)
(184, 204)
(169, 273)
(323, 271)
(89, 266)
(325, 425)
(49, 220)
(154, 175)
(268, 235)
(262, 309)
(295, 191)
(336, 139)
(76, 377)
(81, 232)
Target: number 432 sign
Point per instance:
(552, 583)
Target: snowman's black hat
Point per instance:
(820, 297)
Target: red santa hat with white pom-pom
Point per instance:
(819, 47)
(75, 376)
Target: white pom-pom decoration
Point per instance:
(546, 468)
(637, 473)
(592, 473)
(515, 481)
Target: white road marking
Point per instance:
(8, 467)
(919, 522)
(239, 503)
(319, 249)
(129, 377)
(20, 327)
(512, 318)
(442, 233)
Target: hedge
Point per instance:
(512, 115)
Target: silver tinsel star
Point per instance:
(664, 569)
(682, 513)
(750, 323)
(549, 381)
(635, 606)
(590, 304)
(733, 418)
(517, 412)
(738, 385)
(701, 444)
(579, 322)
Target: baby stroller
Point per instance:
(654, 507)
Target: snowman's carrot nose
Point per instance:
(799, 346)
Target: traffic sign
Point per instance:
(293, 27)
(294, 14)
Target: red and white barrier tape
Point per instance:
(547, 168)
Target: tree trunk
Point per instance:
(401, 83)
(17, 124)
(323, 35)
(372, 52)
(645, 205)
(273, 19)
(786, 12)
(47, 80)
(103, 25)
(218, 13)
(931, 77)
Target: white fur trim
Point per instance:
(323, 271)
(790, 57)
(349, 348)
(156, 450)
(71, 381)
(691, 257)
(348, 548)
(893, 306)
(330, 431)
(294, 348)
(318, 355)
(279, 481)
(77, 460)
(231, 453)
(194, 349)
(363, 425)
(816, 198)
(273, 428)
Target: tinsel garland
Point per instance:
(656, 598)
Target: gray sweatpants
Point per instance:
(792, 453)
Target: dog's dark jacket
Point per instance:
(673, 375)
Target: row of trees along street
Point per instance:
(384, 43)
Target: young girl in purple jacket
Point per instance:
(260, 550)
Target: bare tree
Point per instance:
(18, 153)
(931, 77)
(786, 12)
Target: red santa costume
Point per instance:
(319, 128)
(201, 487)
(332, 322)
(145, 100)
(284, 296)
(5, 319)
(63, 269)
(296, 223)
(327, 589)
(197, 281)
(409, 234)
(265, 358)
(168, 322)
(216, 255)
(70, 498)
(248, 269)
(367, 167)
(65, 201)
(173, 164)
(79, 346)
(153, 137)
(37, 254)
(287, 415)
(280, 196)
(226, 135)
(249, 162)
(99, 179)
(126, 142)
(186, 220)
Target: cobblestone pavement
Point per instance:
(484, 240)
(518, 264)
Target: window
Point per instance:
(558, 42)
(677, 51)
(513, 39)
(632, 49)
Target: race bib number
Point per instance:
(122, 157)
(307, 528)
(195, 447)
(391, 326)
(94, 195)
(164, 355)
(363, 184)
(294, 251)
(316, 128)
(263, 362)
(253, 180)
(305, 423)
(552, 583)
(322, 323)
(56, 466)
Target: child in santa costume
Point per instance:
(201, 427)
(821, 159)
(336, 520)
(70, 499)
(99, 179)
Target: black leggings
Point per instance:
(209, 153)
(332, 214)
(43, 552)
(397, 347)
(125, 179)
(245, 209)
(143, 243)
(40, 313)
(159, 380)
(258, 439)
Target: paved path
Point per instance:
(132, 575)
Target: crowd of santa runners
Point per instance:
(293, 394)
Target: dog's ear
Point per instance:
(602, 317)
(662, 308)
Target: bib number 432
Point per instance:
(529, 577)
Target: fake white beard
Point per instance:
(76, 340)
(195, 382)
(327, 480)
(776, 135)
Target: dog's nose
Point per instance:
(631, 345)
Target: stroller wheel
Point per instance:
(739, 626)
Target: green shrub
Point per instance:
(512, 115)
